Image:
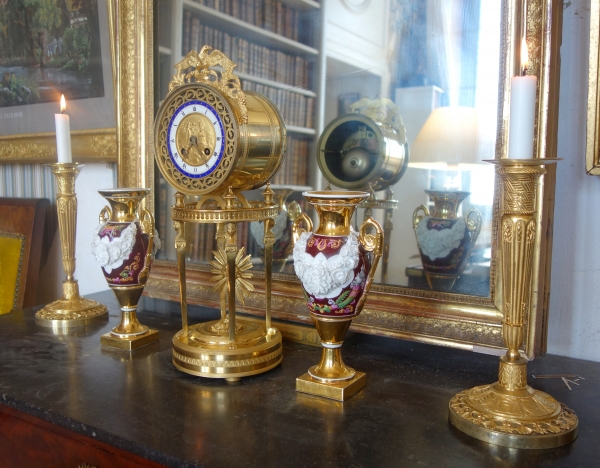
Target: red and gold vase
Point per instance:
(445, 240)
(336, 266)
(124, 245)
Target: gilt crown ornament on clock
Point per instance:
(214, 141)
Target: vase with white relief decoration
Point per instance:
(335, 265)
(445, 240)
(124, 245)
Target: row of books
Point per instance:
(294, 170)
(270, 15)
(295, 108)
(252, 59)
(201, 242)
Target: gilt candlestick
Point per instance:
(71, 310)
(510, 412)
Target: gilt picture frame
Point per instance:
(60, 48)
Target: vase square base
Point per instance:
(340, 390)
(129, 344)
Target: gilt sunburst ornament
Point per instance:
(243, 287)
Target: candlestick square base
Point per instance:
(337, 390)
(130, 343)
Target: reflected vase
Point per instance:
(335, 265)
(445, 240)
(125, 244)
(282, 230)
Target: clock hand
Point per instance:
(193, 142)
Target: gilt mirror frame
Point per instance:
(592, 153)
(454, 320)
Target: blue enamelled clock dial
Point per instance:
(196, 139)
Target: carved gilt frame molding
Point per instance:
(131, 24)
(96, 145)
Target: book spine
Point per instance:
(195, 34)
(185, 43)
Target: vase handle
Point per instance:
(147, 226)
(474, 221)
(372, 243)
(297, 230)
(105, 215)
(417, 218)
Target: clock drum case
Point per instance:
(364, 150)
(210, 135)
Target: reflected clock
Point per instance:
(365, 149)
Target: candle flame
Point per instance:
(524, 57)
(63, 104)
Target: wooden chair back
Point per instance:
(23, 219)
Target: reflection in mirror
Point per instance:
(436, 60)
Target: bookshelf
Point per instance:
(277, 47)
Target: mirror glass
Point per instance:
(436, 60)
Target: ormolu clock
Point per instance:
(212, 142)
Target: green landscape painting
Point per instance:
(49, 48)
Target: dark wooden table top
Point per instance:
(140, 403)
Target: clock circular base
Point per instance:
(205, 350)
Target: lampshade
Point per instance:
(449, 139)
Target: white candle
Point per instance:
(63, 134)
(522, 111)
